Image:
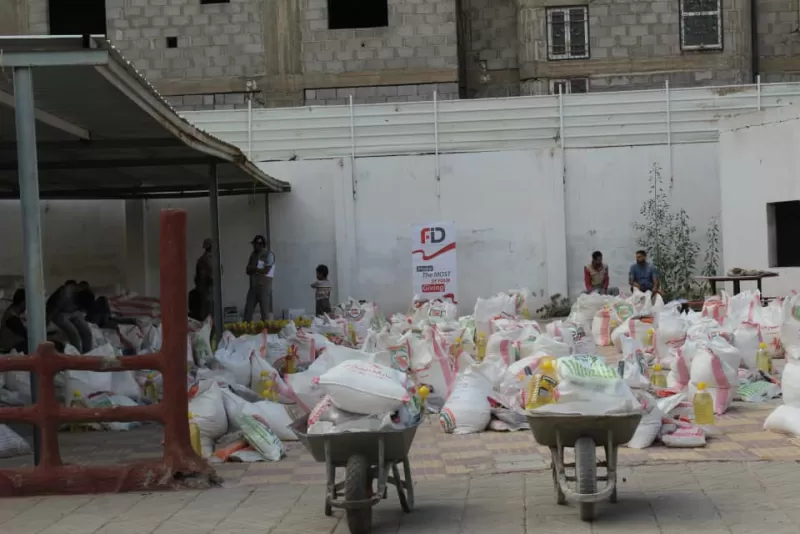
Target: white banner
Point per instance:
(433, 260)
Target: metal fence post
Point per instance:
(669, 131)
(31, 224)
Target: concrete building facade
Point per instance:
(206, 54)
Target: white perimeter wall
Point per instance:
(518, 224)
(759, 163)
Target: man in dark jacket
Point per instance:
(63, 311)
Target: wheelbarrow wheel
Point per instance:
(358, 487)
(586, 475)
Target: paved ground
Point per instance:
(701, 497)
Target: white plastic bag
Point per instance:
(650, 424)
(363, 387)
(276, 417)
(208, 410)
(747, 338)
(784, 419)
(432, 366)
(551, 347)
(12, 444)
(790, 383)
(467, 410)
(258, 434)
(511, 345)
(670, 333)
(488, 309)
(790, 327)
(632, 367)
(603, 324)
(718, 370)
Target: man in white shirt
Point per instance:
(261, 269)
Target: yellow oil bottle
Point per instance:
(543, 386)
(150, 389)
(77, 402)
(648, 340)
(526, 313)
(703, 406)
(657, 378)
(423, 392)
(481, 346)
(456, 347)
(266, 386)
(194, 435)
(764, 359)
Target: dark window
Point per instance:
(348, 14)
(569, 86)
(215, 1)
(783, 224)
(87, 17)
(568, 33)
(701, 24)
(172, 42)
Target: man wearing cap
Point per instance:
(260, 268)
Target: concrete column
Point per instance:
(532, 42)
(136, 273)
(283, 53)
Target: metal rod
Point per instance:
(561, 115)
(436, 148)
(31, 225)
(268, 236)
(216, 266)
(758, 91)
(352, 147)
(669, 131)
(250, 126)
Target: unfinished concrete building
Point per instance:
(207, 54)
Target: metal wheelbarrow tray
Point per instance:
(366, 457)
(584, 433)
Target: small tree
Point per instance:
(669, 238)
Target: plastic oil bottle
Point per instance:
(150, 389)
(194, 435)
(265, 386)
(648, 340)
(481, 346)
(77, 402)
(764, 359)
(423, 392)
(703, 406)
(658, 379)
(543, 386)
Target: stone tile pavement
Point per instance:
(695, 497)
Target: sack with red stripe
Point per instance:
(716, 363)
(604, 323)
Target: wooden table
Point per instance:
(736, 280)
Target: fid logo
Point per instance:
(433, 235)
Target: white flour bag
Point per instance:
(364, 387)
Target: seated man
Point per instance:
(63, 311)
(643, 275)
(13, 333)
(595, 276)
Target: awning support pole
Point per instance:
(216, 254)
(31, 223)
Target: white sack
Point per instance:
(363, 387)
(468, 409)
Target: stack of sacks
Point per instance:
(435, 311)
(716, 363)
(362, 396)
(669, 335)
(751, 324)
(523, 299)
(487, 310)
(587, 386)
(586, 308)
(716, 307)
(613, 313)
(786, 418)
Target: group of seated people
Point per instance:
(70, 309)
(642, 275)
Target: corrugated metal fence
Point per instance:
(663, 116)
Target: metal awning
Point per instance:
(104, 132)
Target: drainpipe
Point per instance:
(755, 64)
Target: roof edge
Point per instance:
(123, 76)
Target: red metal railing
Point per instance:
(179, 463)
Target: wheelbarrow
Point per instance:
(366, 457)
(584, 433)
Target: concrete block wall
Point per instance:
(211, 101)
(779, 40)
(214, 40)
(420, 35)
(383, 94)
(637, 45)
(490, 45)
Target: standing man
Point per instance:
(260, 269)
(643, 275)
(201, 298)
(595, 276)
